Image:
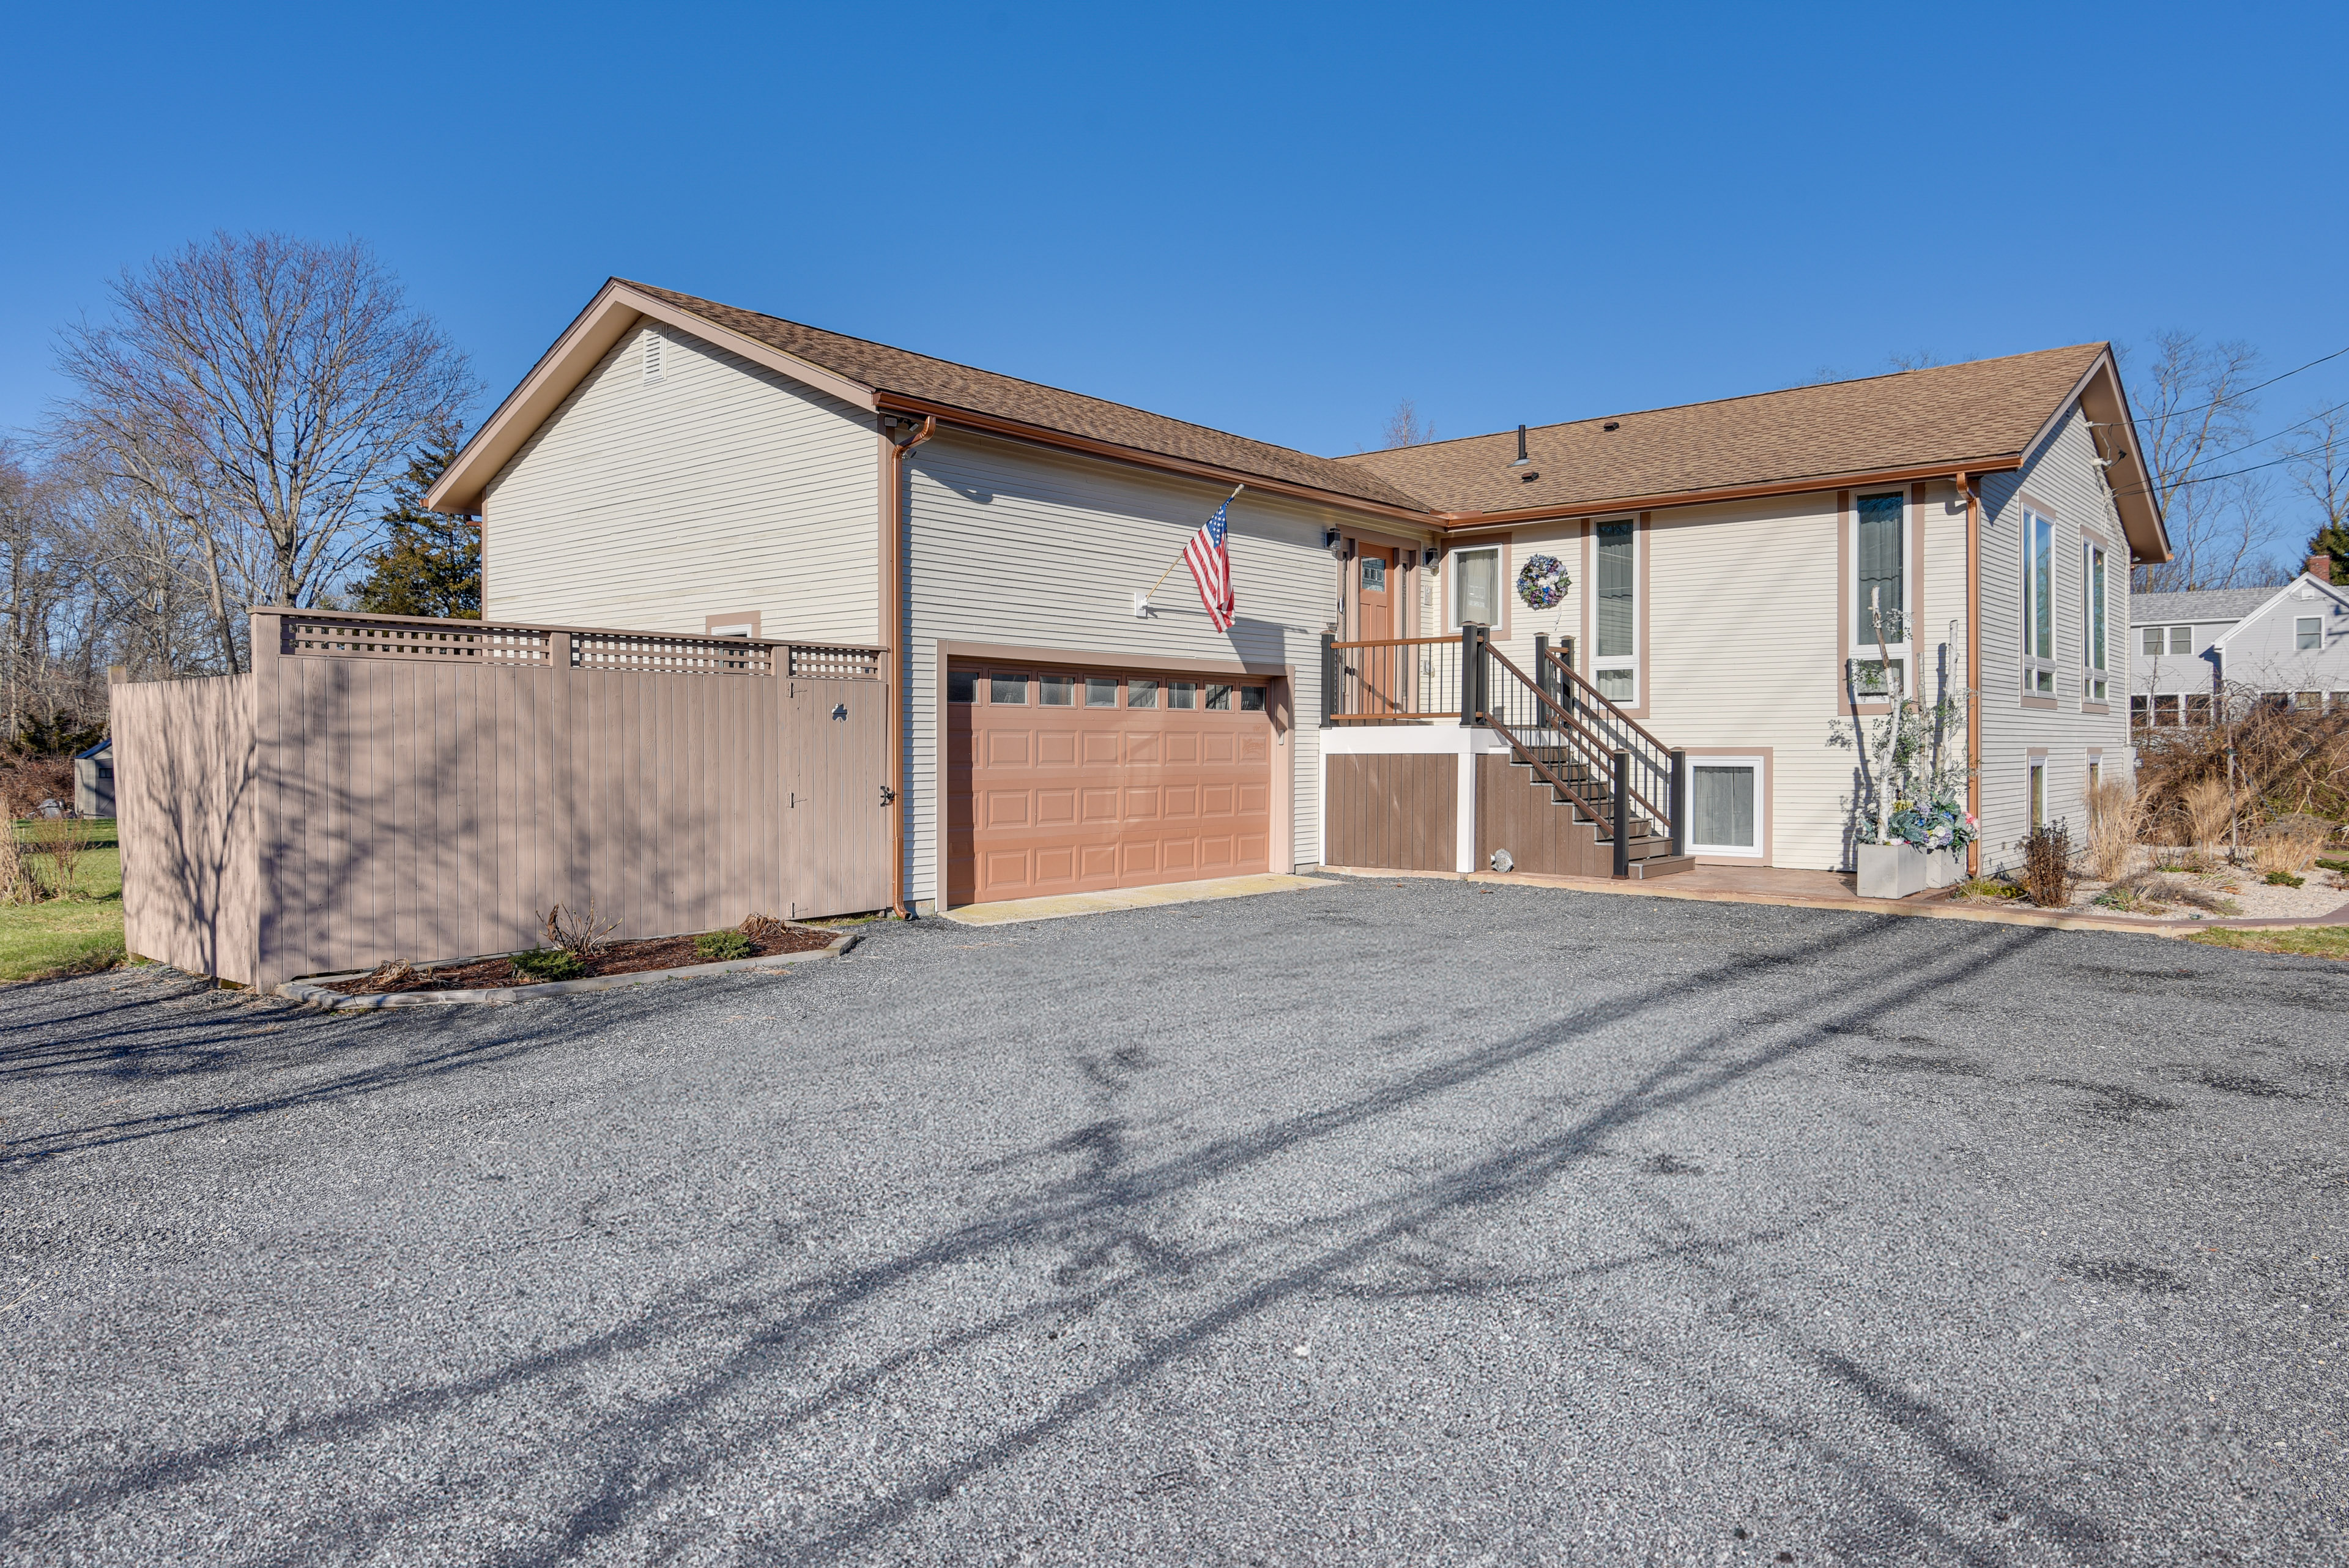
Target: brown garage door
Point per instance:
(1062, 782)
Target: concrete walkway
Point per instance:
(1058, 905)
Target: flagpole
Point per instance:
(1177, 561)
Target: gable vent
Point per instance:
(652, 356)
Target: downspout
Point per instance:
(893, 618)
(1973, 669)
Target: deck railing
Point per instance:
(1392, 681)
(337, 634)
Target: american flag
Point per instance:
(1210, 560)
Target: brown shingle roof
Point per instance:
(1917, 418)
(887, 369)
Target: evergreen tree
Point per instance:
(431, 562)
(2333, 540)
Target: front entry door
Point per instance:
(1377, 622)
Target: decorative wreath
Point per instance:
(1542, 581)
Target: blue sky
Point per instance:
(1276, 220)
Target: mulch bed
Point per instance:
(620, 958)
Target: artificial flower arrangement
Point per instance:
(1542, 582)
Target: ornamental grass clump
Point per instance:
(2116, 820)
(581, 936)
(2210, 806)
(2290, 844)
(2047, 867)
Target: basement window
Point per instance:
(1725, 807)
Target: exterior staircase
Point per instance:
(1588, 800)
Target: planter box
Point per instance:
(1944, 869)
(1891, 870)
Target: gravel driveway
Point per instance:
(1379, 1223)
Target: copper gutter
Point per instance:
(893, 637)
(990, 424)
(1470, 522)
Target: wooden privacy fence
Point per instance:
(383, 787)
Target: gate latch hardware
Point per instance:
(888, 795)
(840, 710)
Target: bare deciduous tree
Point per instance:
(1405, 428)
(2194, 412)
(2320, 466)
(47, 660)
(255, 393)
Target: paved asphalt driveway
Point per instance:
(1379, 1223)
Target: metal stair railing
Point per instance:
(1603, 741)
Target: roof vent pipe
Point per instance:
(1522, 459)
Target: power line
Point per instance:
(2244, 392)
(2262, 441)
(2207, 478)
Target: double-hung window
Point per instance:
(1879, 626)
(2038, 605)
(1615, 651)
(2093, 684)
(2307, 633)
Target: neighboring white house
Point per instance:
(2291, 642)
(673, 464)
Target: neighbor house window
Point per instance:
(2038, 605)
(1614, 656)
(2181, 639)
(1725, 805)
(2197, 708)
(2308, 632)
(1475, 587)
(2150, 641)
(2140, 713)
(2092, 622)
(2165, 711)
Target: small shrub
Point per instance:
(19, 882)
(581, 936)
(758, 927)
(550, 963)
(2115, 821)
(57, 840)
(1988, 888)
(2047, 867)
(2283, 879)
(2129, 899)
(2334, 864)
(719, 946)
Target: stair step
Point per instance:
(1661, 866)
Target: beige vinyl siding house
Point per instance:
(675, 465)
(1038, 554)
(680, 486)
(2061, 732)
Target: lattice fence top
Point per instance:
(835, 664)
(331, 636)
(672, 655)
(363, 638)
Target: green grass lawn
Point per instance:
(67, 936)
(2308, 941)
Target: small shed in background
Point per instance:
(93, 780)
